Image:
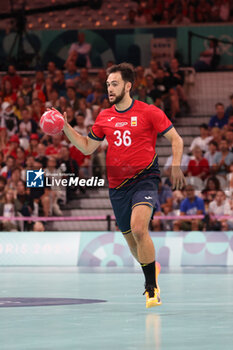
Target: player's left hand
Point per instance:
(177, 177)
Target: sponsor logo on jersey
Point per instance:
(134, 121)
(120, 124)
(111, 118)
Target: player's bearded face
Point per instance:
(115, 97)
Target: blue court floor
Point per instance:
(197, 310)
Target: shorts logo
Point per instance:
(119, 125)
(134, 121)
(35, 178)
(148, 197)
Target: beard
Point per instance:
(118, 98)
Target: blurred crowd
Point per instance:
(208, 166)
(183, 12)
(23, 145)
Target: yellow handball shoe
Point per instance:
(157, 272)
(152, 297)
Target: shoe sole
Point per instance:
(153, 303)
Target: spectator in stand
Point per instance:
(69, 166)
(210, 190)
(79, 52)
(18, 107)
(87, 112)
(164, 195)
(217, 134)
(166, 18)
(198, 166)
(8, 94)
(51, 70)
(222, 159)
(37, 109)
(39, 86)
(142, 95)
(84, 86)
(97, 96)
(176, 77)
(72, 98)
(8, 210)
(209, 58)
(224, 12)
(203, 140)
(54, 148)
(20, 157)
(70, 116)
(229, 138)
(13, 77)
(11, 147)
(140, 78)
(152, 70)
(41, 156)
(26, 90)
(39, 81)
(101, 78)
(38, 226)
(48, 88)
(53, 100)
(83, 162)
(210, 154)
(63, 104)
(57, 192)
(14, 179)
(33, 144)
(192, 13)
(3, 182)
(229, 125)
(219, 119)
(27, 125)
(229, 110)
(230, 181)
(80, 124)
(203, 9)
(59, 83)
(9, 120)
(150, 87)
(219, 206)
(166, 94)
(180, 19)
(191, 205)
(23, 202)
(71, 71)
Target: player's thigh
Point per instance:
(121, 204)
(140, 218)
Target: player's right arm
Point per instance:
(84, 143)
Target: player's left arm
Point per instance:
(177, 176)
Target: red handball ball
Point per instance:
(52, 122)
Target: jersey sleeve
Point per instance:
(97, 132)
(159, 120)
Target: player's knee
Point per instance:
(139, 231)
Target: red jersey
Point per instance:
(131, 136)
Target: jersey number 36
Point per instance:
(122, 138)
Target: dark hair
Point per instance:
(219, 104)
(215, 180)
(126, 70)
(212, 142)
(3, 179)
(204, 126)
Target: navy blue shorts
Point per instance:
(143, 191)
